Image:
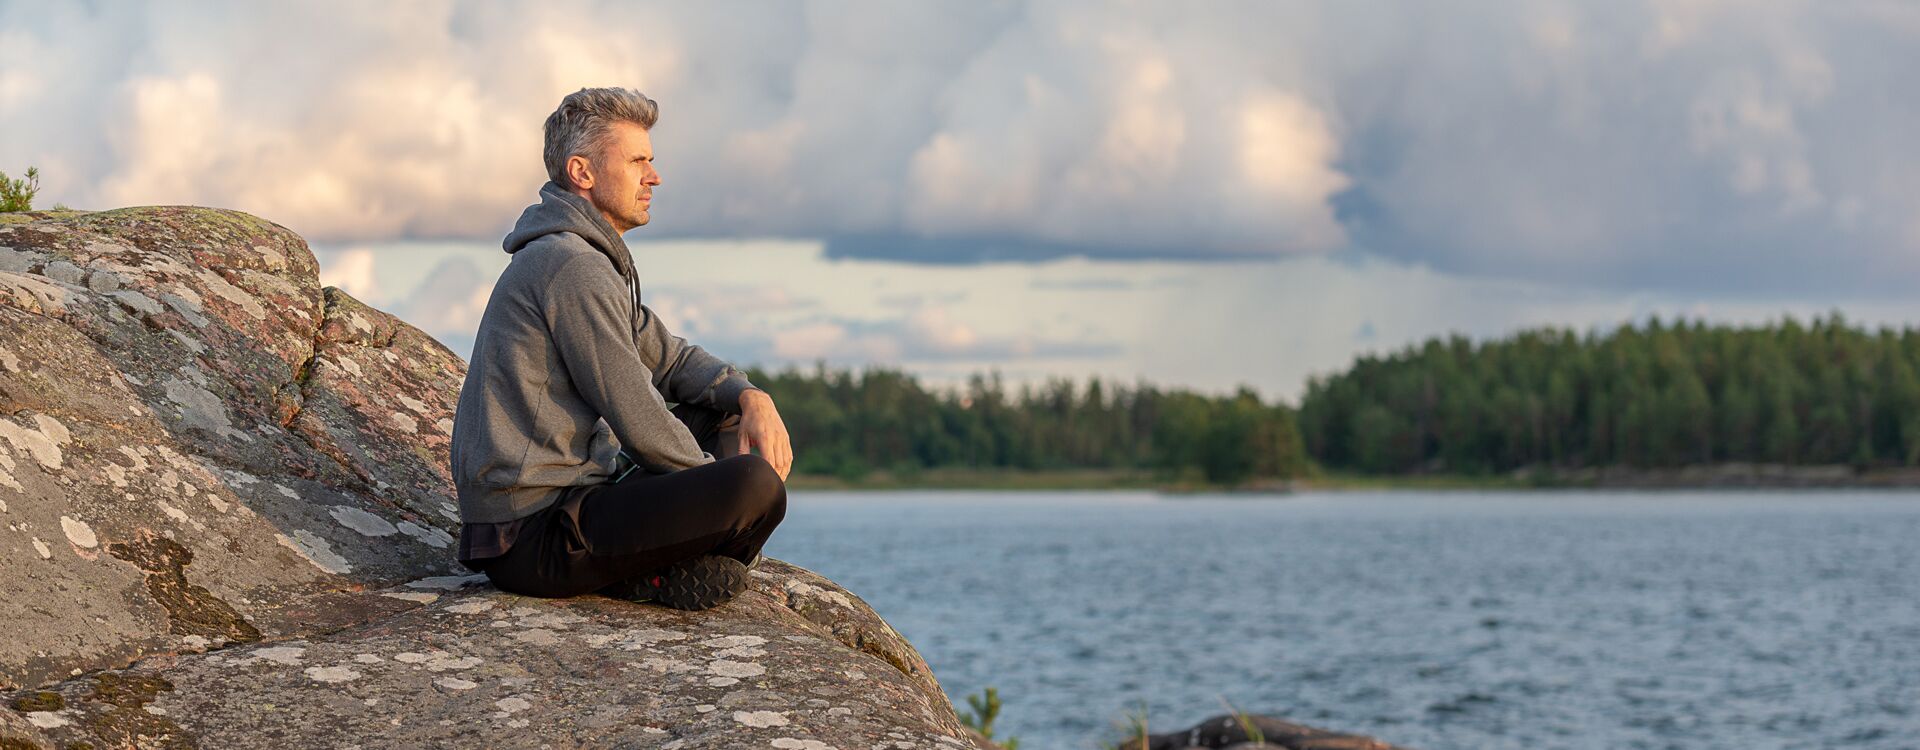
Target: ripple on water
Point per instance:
(1485, 620)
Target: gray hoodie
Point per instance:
(568, 367)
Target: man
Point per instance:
(573, 474)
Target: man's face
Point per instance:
(623, 176)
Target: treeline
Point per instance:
(848, 424)
(1654, 395)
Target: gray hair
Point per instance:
(580, 124)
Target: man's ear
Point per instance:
(580, 170)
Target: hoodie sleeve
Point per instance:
(587, 316)
(686, 373)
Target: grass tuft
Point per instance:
(1247, 726)
(985, 709)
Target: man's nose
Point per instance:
(653, 175)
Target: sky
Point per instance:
(1208, 195)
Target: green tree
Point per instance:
(1737, 421)
(17, 194)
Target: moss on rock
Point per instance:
(39, 700)
(191, 609)
(127, 723)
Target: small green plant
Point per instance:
(986, 708)
(1254, 735)
(1136, 729)
(17, 195)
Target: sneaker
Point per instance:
(695, 584)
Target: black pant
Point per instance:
(598, 535)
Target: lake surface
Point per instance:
(1431, 619)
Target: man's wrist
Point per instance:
(727, 394)
(752, 398)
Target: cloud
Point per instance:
(1705, 146)
(916, 300)
(721, 309)
(1720, 147)
(451, 298)
(926, 334)
(930, 336)
(352, 270)
(1085, 284)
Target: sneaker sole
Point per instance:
(701, 583)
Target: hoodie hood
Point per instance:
(560, 210)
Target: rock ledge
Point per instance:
(226, 519)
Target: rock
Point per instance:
(1225, 731)
(185, 475)
(225, 514)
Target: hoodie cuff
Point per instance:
(726, 395)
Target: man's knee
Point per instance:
(757, 489)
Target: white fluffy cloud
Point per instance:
(353, 270)
(1678, 144)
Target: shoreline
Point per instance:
(1701, 477)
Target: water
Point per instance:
(1435, 620)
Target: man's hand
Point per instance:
(760, 426)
